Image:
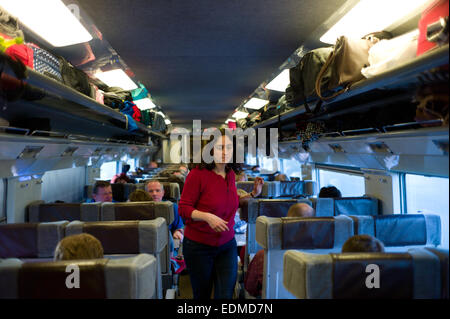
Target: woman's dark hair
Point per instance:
(330, 192)
(236, 167)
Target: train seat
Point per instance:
(416, 274)
(40, 211)
(296, 188)
(125, 278)
(398, 231)
(264, 207)
(120, 238)
(346, 206)
(30, 240)
(276, 235)
(268, 189)
(144, 211)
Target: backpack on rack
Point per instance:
(158, 124)
(74, 78)
(303, 77)
(146, 117)
(269, 111)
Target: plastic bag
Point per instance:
(388, 54)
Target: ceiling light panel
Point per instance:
(50, 19)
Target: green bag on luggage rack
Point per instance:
(303, 77)
(146, 117)
(139, 93)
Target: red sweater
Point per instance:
(208, 192)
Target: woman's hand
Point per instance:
(216, 223)
(257, 187)
(178, 234)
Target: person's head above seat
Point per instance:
(330, 192)
(81, 246)
(153, 164)
(241, 177)
(281, 178)
(139, 195)
(155, 189)
(301, 210)
(102, 192)
(363, 244)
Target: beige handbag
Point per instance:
(346, 61)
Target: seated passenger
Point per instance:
(156, 192)
(184, 170)
(241, 177)
(139, 195)
(363, 244)
(281, 178)
(254, 277)
(102, 192)
(153, 164)
(81, 246)
(121, 179)
(301, 210)
(330, 192)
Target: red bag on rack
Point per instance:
(137, 116)
(19, 52)
(431, 19)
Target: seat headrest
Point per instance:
(415, 274)
(347, 206)
(98, 278)
(303, 233)
(137, 211)
(269, 189)
(401, 230)
(125, 237)
(30, 240)
(271, 207)
(288, 188)
(41, 212)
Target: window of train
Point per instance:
(250, 159)
(269, 165)
(108, 170)
(291, 168)
(426, 194)
(349, 184)
(132, 163)
(2, 200)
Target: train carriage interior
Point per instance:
(340, 106)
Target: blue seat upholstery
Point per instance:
(397, 231)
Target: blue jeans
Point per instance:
(208, 265)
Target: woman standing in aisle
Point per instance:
(208, 204)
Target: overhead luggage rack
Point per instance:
(67, 110)
(405, 76)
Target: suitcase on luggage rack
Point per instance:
(433, 26)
